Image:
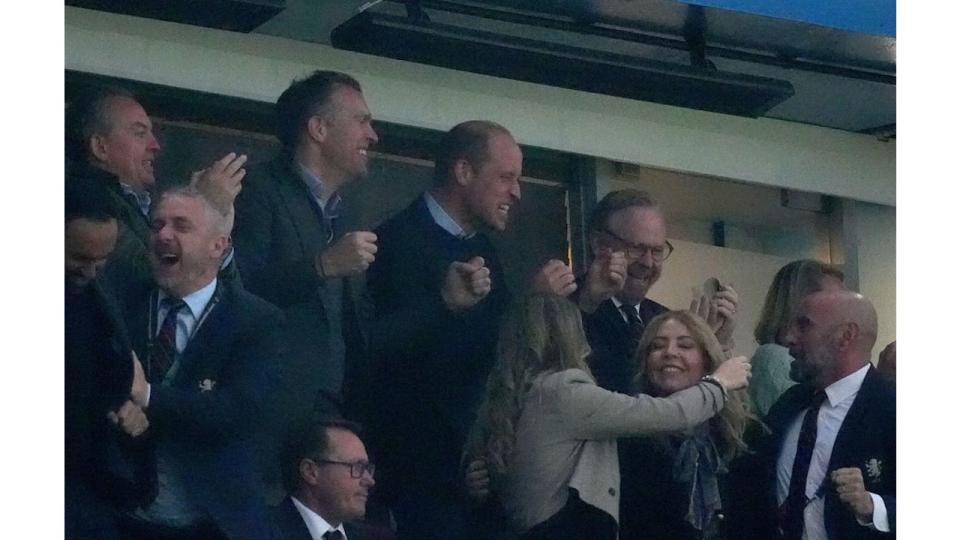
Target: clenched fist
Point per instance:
(605, 278)
(465, 284)
(555, 277)
(348, 256)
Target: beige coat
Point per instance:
(567, 437)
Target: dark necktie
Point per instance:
(333, 534)
(165, 348)
(634, 326)
(791, 512)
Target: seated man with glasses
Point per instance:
(628, 242)
(328, 478)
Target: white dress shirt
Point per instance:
(316, 524)
(618, 303)
(187, 320)
(840, 396)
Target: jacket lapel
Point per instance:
(305, 217)
(851, 430)
(208, 347)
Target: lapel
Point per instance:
(138, 320)
(612, 320)
(305, 216)
(291, 522)
(130, 215)
(212, 342)
(851, 430)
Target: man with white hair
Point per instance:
(208, 353)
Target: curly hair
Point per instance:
(542, 334)
(729, 425)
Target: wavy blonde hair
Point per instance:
(728, 426)
(542, 334)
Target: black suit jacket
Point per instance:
(867, 440)
(105, 469)
(210, 412)
(609, 338)
(292, 527)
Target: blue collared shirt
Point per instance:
(314, 183)
(143, 199)
(443, 219)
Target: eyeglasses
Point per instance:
(356, 469)
(636, 251)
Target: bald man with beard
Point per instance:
(829, 462)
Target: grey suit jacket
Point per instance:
(567, 438)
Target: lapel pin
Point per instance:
(874, 469)
(207, 385)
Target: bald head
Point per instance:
(831, 336)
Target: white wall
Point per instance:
(877, 265)
(762, 151)
(750, 273)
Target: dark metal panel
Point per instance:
(233, 15)
(560, 65)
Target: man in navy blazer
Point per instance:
(850, 488)
(208, 352)
(628, 241)
(328, 476)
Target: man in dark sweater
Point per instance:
(427, 391)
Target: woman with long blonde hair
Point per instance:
(672, 483)
(549, 434)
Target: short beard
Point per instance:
(797, 373)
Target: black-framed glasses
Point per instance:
(357, 468)
(636, 251)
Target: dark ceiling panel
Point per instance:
(232, 15)
(558, 65)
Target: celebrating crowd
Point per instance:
(239, 366)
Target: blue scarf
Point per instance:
(696, 464)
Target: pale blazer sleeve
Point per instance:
(591, 412)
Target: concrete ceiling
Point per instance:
(842, 79)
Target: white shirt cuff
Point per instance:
(880, 521)
(147, 404)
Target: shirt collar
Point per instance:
(847, 386)
(315, 524)
(143, 198)
(315, 185)
(197, 300)
(443, 219)
(618, 303)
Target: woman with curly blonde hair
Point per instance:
(671, 483)
(549, 434)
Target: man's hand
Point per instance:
(130, 418)
(220, 182)
(350, 255)
(605, 278)
(849, 485)
(139, 388)
(555, 277)
(465, 284)
(719, 312)
(477, 481)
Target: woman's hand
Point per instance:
(734, 373)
